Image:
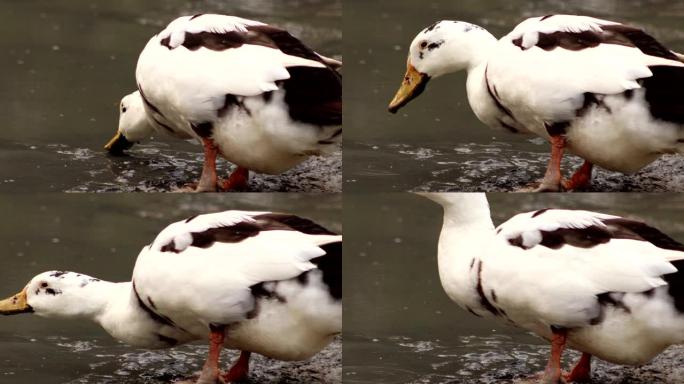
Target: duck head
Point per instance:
(55, 294)
(133, 124)
(444, 47)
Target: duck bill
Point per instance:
(15, 305)
(118, 144)
(413, 85)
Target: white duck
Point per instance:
(259, 282)
(247, 91)
(600, 89)
(604, 285)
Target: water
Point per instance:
(101, 235)
(400, 327)
(387, 152)
(66, 65)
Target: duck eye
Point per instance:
(423, 44)
(43, 284)
(123, 108)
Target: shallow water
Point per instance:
(377, 36)
(400, 327)
(493, 167)
(66, 65)
(101, 235)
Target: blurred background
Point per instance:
(436, 142)
(66, 64)
(399, 325)
(101, 235)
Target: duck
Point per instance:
(246, 91)
(258, 282)
(604, 285)
(599, 89)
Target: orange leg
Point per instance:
(210, 371)
(553, 374)
(582, 371)
(581, 178)
(237, 180)
(552, 178)
(239, 371)
(207, 182)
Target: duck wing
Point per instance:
(558, 265)
(561, 64)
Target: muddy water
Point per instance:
(101, 235)
(400, 327)
(67, 63)
(436, 142)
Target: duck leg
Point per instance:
(207, 182)
(552, 178)
(210, 371)
(237, 180)
(239, 371)
(580, 179)
(582, 371)
(553, 373)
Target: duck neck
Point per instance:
(481, 50)
(467, 228)
(126, 320)
(477, 65)
(464, 212)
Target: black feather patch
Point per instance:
(675, 283)
(558, 128)
(540, 212)
(263, 35)
(189, 219)
(314, 95)
(238, 232)
(330, 140)
(435, 45)
(53, 292)
(494, 95)
(610, 34)
(331, 266)
(635, 37)
(170, 341)
(432, 27)
(263, 291)
(293, 222)
(203, 130)
(161, 319)
(630, 229)
(284, 41)
(148, 103)
(229, 234)
(665, 101)
(507, 126)
(231, 101)
(480, 291)
(594, 235)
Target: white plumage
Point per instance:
(247, 91)
(609, 285)
(258, 282)
(597, 88)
